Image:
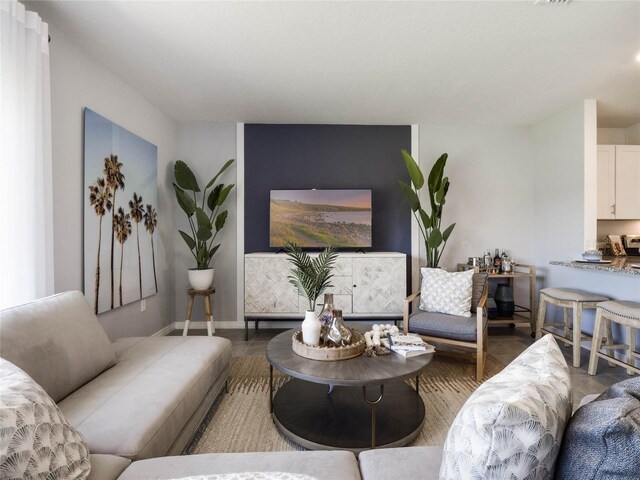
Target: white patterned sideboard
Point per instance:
(365, 286)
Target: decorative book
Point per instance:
(407, 345)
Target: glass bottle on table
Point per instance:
(497, 261)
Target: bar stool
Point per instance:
(567, 298)
(624, 313)
(207, 308)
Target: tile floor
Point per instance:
(505, 344)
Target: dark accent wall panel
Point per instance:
(328, 156)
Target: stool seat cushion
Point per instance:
(573, 295)
(624, 308)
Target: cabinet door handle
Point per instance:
(613, 209)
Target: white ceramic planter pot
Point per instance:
(200, 279)
(311, 327)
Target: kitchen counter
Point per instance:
(619, 265)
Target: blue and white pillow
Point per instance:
(512, 425)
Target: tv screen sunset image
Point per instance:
(318, 218)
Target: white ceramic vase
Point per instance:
(200, 279)
(311, 327)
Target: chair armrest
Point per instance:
(482, 304)
(405, 311)
(485, 295)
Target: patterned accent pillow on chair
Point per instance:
(512, 425)
(444, 292)
(36, 440)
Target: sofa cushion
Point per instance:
(405, 463)
(58, 341)
(107, 467)
(322, 465)
(444, 292)
(36, 441)
(444, 326)
(137, 408)
(512, 425)
(602, 439)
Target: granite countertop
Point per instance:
(621, 265)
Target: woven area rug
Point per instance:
(239, 421)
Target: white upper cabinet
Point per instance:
(606, 181)
(618, 182)
(628, 182)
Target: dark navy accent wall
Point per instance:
(281, 157)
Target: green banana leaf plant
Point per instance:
(205, 218)
(435, 240)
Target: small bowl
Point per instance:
(592, 256)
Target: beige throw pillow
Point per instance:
(445, 292)
(36, 440)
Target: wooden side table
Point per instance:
(207, 308)
(527, 272)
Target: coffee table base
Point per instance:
(307, 414)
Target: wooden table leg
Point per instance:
(186, 322)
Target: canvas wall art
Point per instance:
(120, 214)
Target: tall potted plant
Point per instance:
(205, 219)
(435, 240)
(311, 277)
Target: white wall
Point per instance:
(558, 181)
(620, 227)
(619, 136)
(612, 136)
(205, 147)
(78, 81)
(632, 134)
(491, 193)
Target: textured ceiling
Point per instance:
(481, 63)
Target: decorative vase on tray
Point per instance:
(338, 335)
(311, 327)
(326, 314)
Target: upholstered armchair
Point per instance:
(468, 332)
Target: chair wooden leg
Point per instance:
(480, 356)
(542, 309)
(595, 344)
(577, 333)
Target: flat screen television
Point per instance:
(319, 218)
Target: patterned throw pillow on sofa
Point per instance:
(512, 425)
(446, 292)
(36, 440)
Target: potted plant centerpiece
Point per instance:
(205, 219)
(438, 185)
(311, 277)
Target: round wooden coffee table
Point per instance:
(352, 404)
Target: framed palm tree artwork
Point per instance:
(120, 214)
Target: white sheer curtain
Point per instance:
(26, 218)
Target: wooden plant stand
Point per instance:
(207, 308)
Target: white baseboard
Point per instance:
(165, 330)
(202, 324)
